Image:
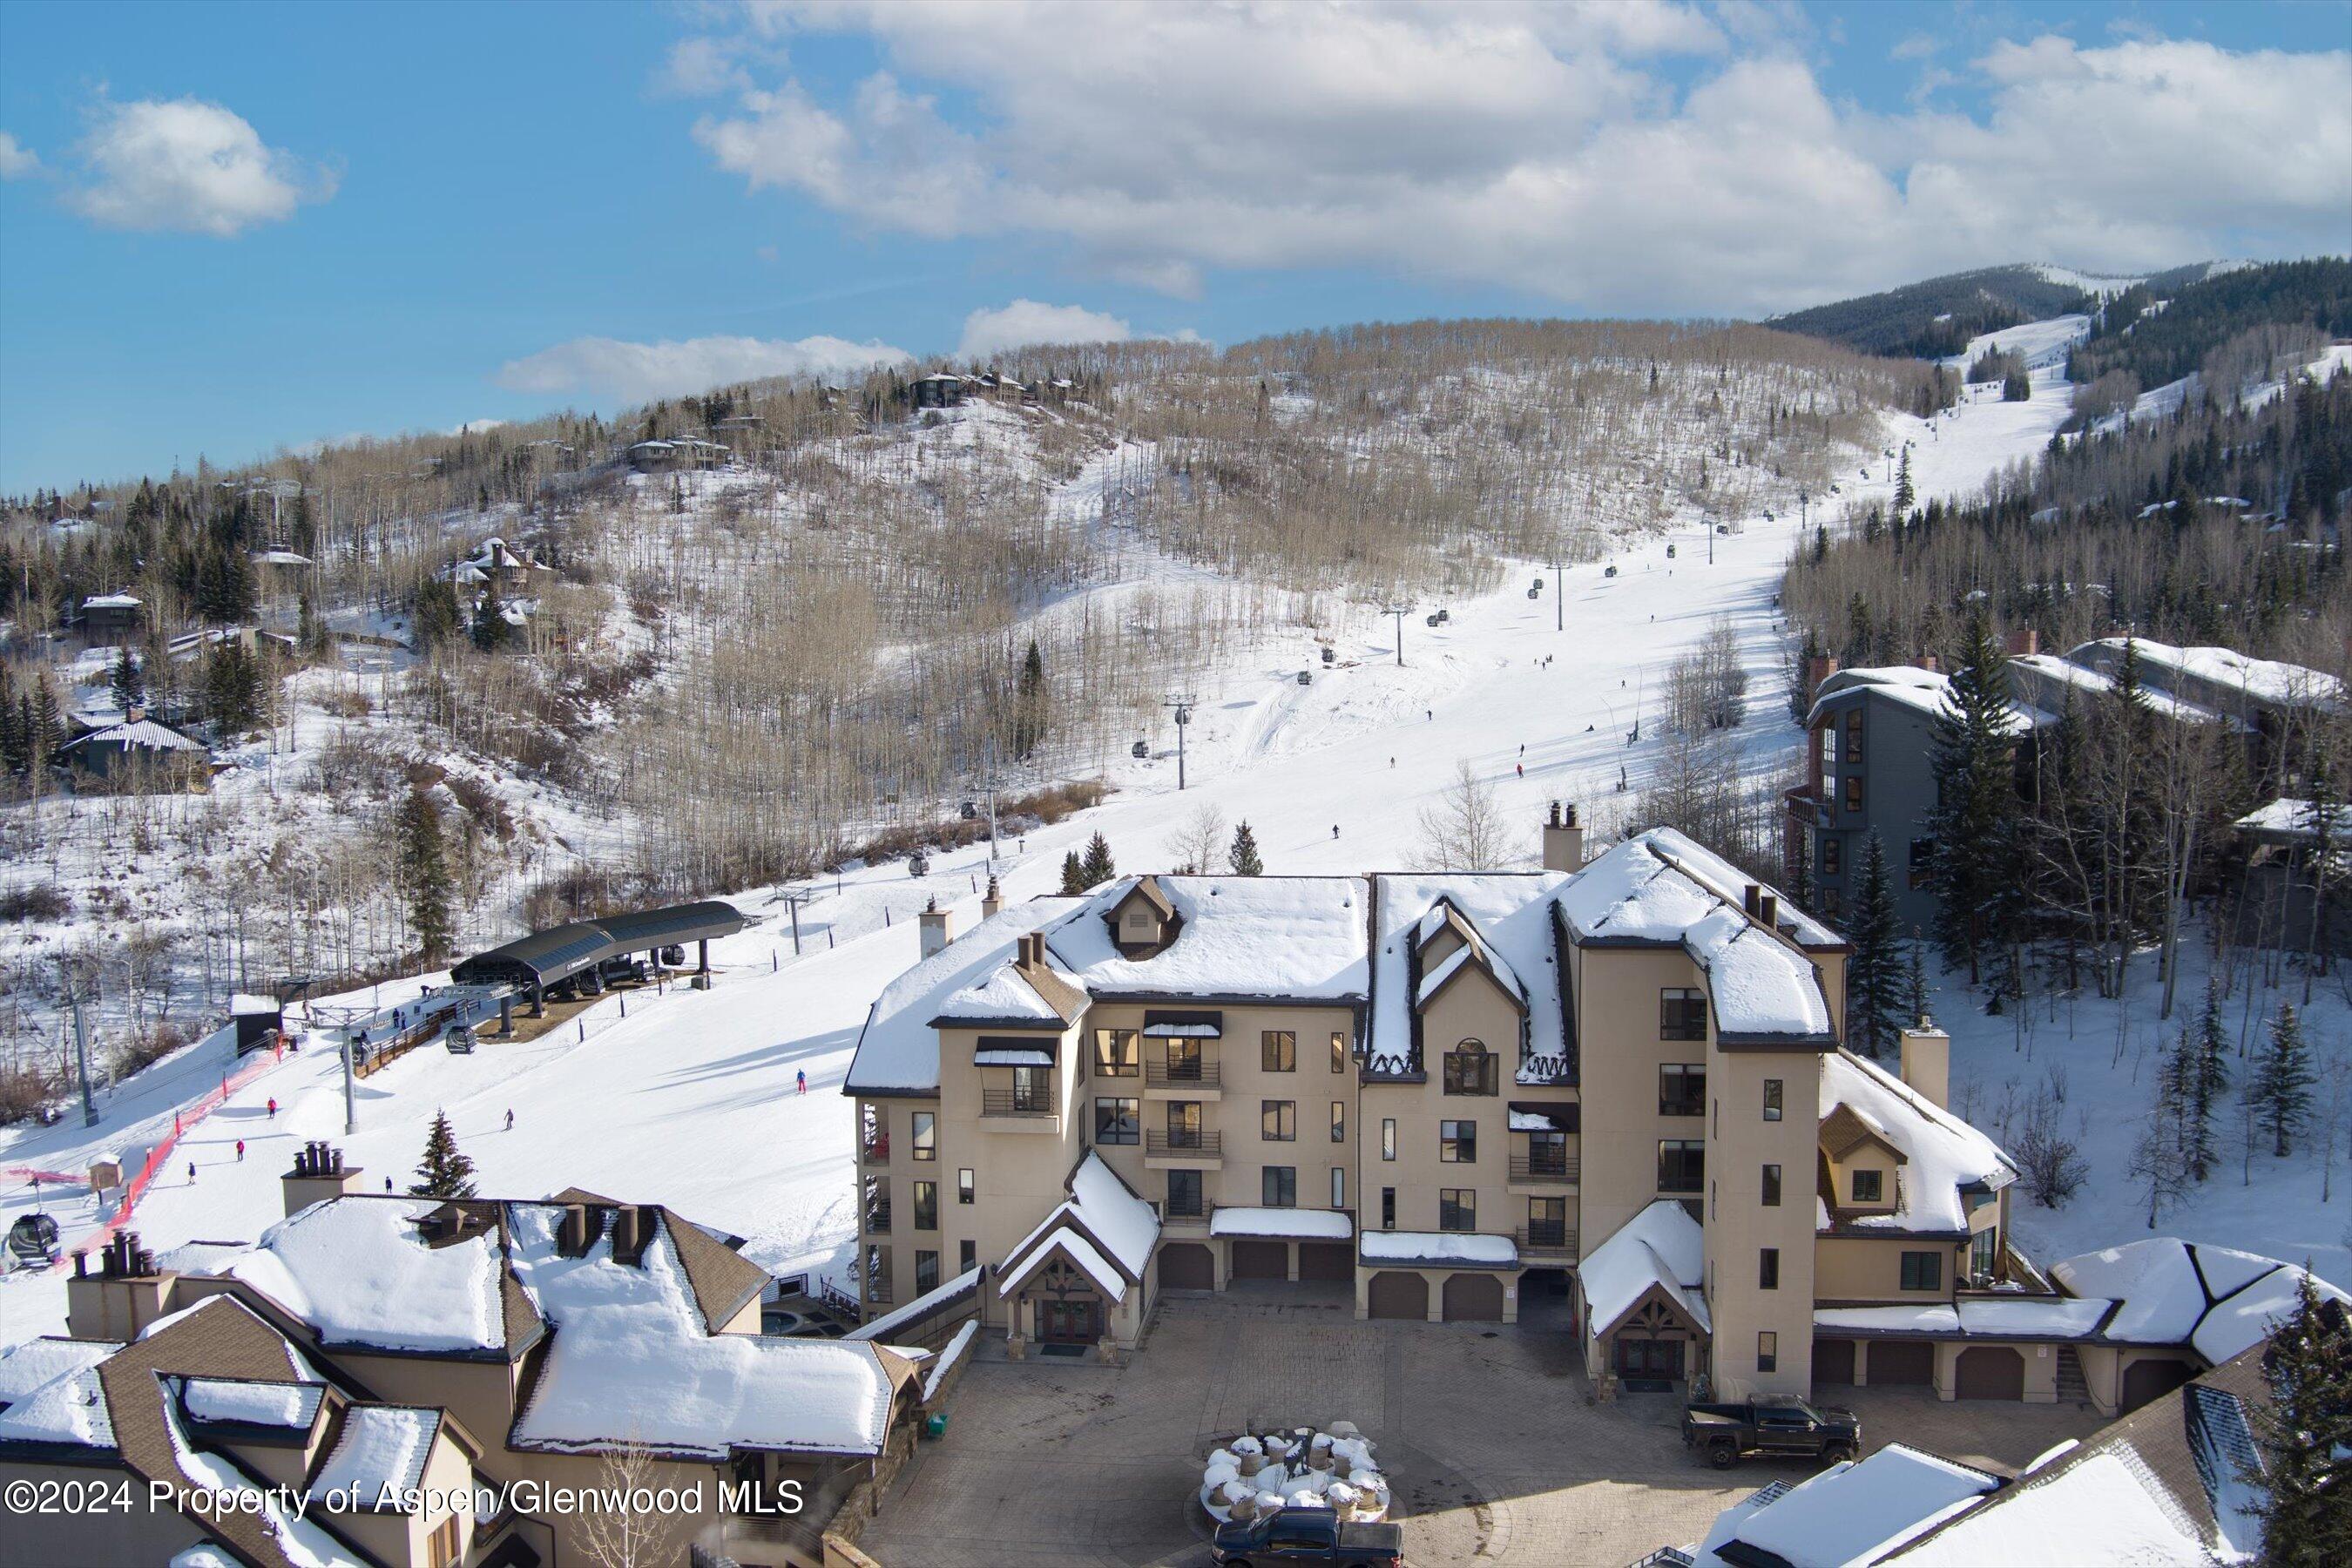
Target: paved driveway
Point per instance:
(1488, 1434)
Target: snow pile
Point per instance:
(1440, 1246)
(631, 1361)
(291, 1406)
(1298, 1467)
(1660, 1247)
(70, 1407)
(958, 1347)
(1297, 938)
(2101, 1512)
(1312, 1225)
(900, 1048)
(382, 1446)
(1860, 1512)
(1944, 1154)
(356, 1269)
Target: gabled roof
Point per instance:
(1282, 939)
(1102, 1226)
(1660, 1248)
(1851, 1514)
(1507, 927)
(899, 1048)
(1844, 1131)
(1942, 1155)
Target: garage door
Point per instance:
(1832, 1361)
(1327, 1260)
(2147, 1380)
(1260, 1259)
(1902, 1361)
(1474, 1298)
(1186, 1265)
(1398, 1296)
(1991, 1371)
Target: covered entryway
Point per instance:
(1394, 1295)
(1260, 1259)
(1187, 1266)
(1071, 1320)
(1989, 1371)
(1902, 1361)
(1832, 1361)
(2150, 1380)
(1327, 1260)
(1639, 1360)
(1472, 1299)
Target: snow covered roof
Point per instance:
(1927, 691)
(1298, 939)
(1853, 1514)
(1006, 994)
(1508, 919)
(357, 1269)
(1975, 1317)
(1312, 1224)
(898, 1048)
(1073, 1244)
(245, 1402)
(143, 733)
(2101, 1513)
(2298, 821)
(382, 1446)
(2265, 681)
(1454, 1248)
(1655, 885)
(1101, 1209)
(922, 1306)
(53, 1395)
(1661, 1246)
(1759, 988)
(110, 602)
(2245, 1318)
(1942, 1154)
(2169, 1292)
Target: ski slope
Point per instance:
(690, 1098)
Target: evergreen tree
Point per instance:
(437, 615)
(2205, 1077)
(1976, 867)
(2017, 387)
(1914, 977)
(1074, 875)
(2301, 1433)
(2281, 1086)
(1874, 974)
(1903, 494)
(445, 1172)
(1097, 868)
(424, 871)
(1244, 856)
(491, 629)
(1029, 704)
(129, 687)
(15, 731)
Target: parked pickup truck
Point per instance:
(1770, 1424)
(1308, 1535)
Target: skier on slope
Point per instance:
(509, 1120)
(1335, 830)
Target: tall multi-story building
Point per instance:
(1618, 1082)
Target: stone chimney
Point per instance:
(126, 1294)
(991, 900)
(1929, 662)
(2023, 643)
(1927, 1061)
(318, 1174)
(938, 928)
(1818, 669)
(1563, 840)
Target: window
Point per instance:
(963, 1185)
(1388, 1208)
(1184, 1194)
(1277, 1120)
(1388, 1137)
(1711, 1214)
(1470, 1069)
(1771, 1186)
(441, 1546)
(1339, 1051)
(1339, 1187)
(1338, 1121)
(967, 1256)
(1278, 1186)
(1868, 1186)
(1767, 1350)
(1184, 1124)
(1118, 1120)
(1831, 903)
(1458, 1142)
(1923, 1271)
(1547, 1222)
(1457, 1208)
(1768, 1268)
(1682, 1164)
(1032, 1092)
(1278, 1049)
(1854, 735)
(1773, 1100)
(1117, 1054)
(1833, 857)
(927, 1135)
(1682, 1014)
(1854, 792)
(1547, 1153)
(927, 1272)
(927, 1205)
(1984, 1253)
(1682, 1090)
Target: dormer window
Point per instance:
(1470, 1069)
(1869, 1187)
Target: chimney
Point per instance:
(938, 928)
(991, 900)
(1928, 662)
(1752, 897)
(1767, 909)
(1818, 669)
(1927, 1061)
(2023, 643)
(127, 1294)
(633, 1230)
(1563, 840)
(318, 1174)
(578, 1231)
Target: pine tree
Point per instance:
(1903, 494)
(1029, 705)
(437, 615)
(1914, 977)
(423, 873)
(2205, 1077)
(1873, 974)
(2017, 387)
(1074, 875)
(1975, 868)
(491, 629)
(2296, 1486)
(1244, 856)
(2281, 1086)
(445, 1172)
(1097, 868)
(129, 686)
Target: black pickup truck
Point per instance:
(1770, 1424)
(1308, 1535)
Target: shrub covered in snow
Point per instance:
(1257, 1474)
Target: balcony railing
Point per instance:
(1204, 1145)
(877, 1293)
(877, 1220)
(1544, 1170)
(874, 1153)
(1195, 1211)
(1555, 1239)
(1181, 1074)
(1012, 1103)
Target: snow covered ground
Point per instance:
(691, 1098)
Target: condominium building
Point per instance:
(1616, 1086)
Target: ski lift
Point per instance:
(1306, 678)
(459, 1039)
(971, 809)
(1537, 587)
(1429, 620)
(918, 865)
(1611, 572)
(1670, 552)
(1534, 593)
(1444, 616)
(33, 1240)
(1138, 749)
(1330, 656)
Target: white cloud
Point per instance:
(620, 372)
(1539, 148)
(1026, 321)
(473, 427)
(701, 66)
(16, 160)
(188, 165)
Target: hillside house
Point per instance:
(476, 1344)
(495, 563)
(940, 389)
(2276, 889)
(140, 750)
(678, 453)
(112, 617)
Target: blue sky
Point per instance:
(225, 228)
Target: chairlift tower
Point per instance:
(1399, 612)
(1183, 703)
(1559, 594)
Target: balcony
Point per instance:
(1194, 1216)
(1010, 1111)
(877, 1220)
(1183, 1080)
(1556, 1240)
(1551, 1173)
(1199, 1151)
(874, 1153)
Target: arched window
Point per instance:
(1470, 1069)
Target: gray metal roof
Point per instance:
(561, 952)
